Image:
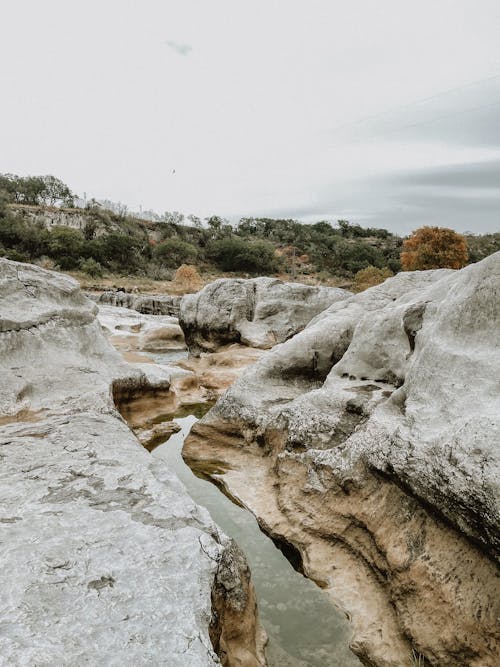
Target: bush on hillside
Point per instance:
(174, 252)
(480, 246)
(434, 248)
(236, 254)
(91, 268)
(119, 252)
(369, 277)
(65, 246)
(345, 257)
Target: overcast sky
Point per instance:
(384, 112)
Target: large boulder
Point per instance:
(371, 440)
(259, 312)
(106, 560)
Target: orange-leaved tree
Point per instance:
(434, 248)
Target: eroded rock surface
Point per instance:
(105, 558)
(133, 333)
(144, 340)
(259, 312)
(370, 443)
(148, 304)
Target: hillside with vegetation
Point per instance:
(39, 223)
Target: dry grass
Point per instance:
(145, 285)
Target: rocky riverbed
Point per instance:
(365, 442)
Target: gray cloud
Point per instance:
(467, 115)
(465, 197)
(471, 175)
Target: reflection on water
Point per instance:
(304, 628)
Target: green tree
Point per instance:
(36, 190)
(55, 191)
(9, 188)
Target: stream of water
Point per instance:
(305, 629)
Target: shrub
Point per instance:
(345, 257)
(434, 248)
(119, 251)
(481, 246)
(369, 277)
(45, 263)
(91, 268)
(174, 252)
(237, 254)
(157, 272)
(15, 255)
(187, 279)
(65, 245)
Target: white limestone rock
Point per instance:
(136, 331)
(105, 558)
(259, 312)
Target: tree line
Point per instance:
(36, 190)
(120, 243)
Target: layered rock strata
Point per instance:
(368, 444)
(259, 312)
(148, 304)
(105, 558)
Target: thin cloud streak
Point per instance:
(181, 49)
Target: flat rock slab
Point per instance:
(105, 559)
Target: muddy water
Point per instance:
(304, 628)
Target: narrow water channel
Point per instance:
(304, 628)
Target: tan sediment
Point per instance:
(210, 375)
(216, 371)
(407, 580)
(136, 357)
(24, 415)
(144, 406)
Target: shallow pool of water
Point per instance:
(304, 628)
